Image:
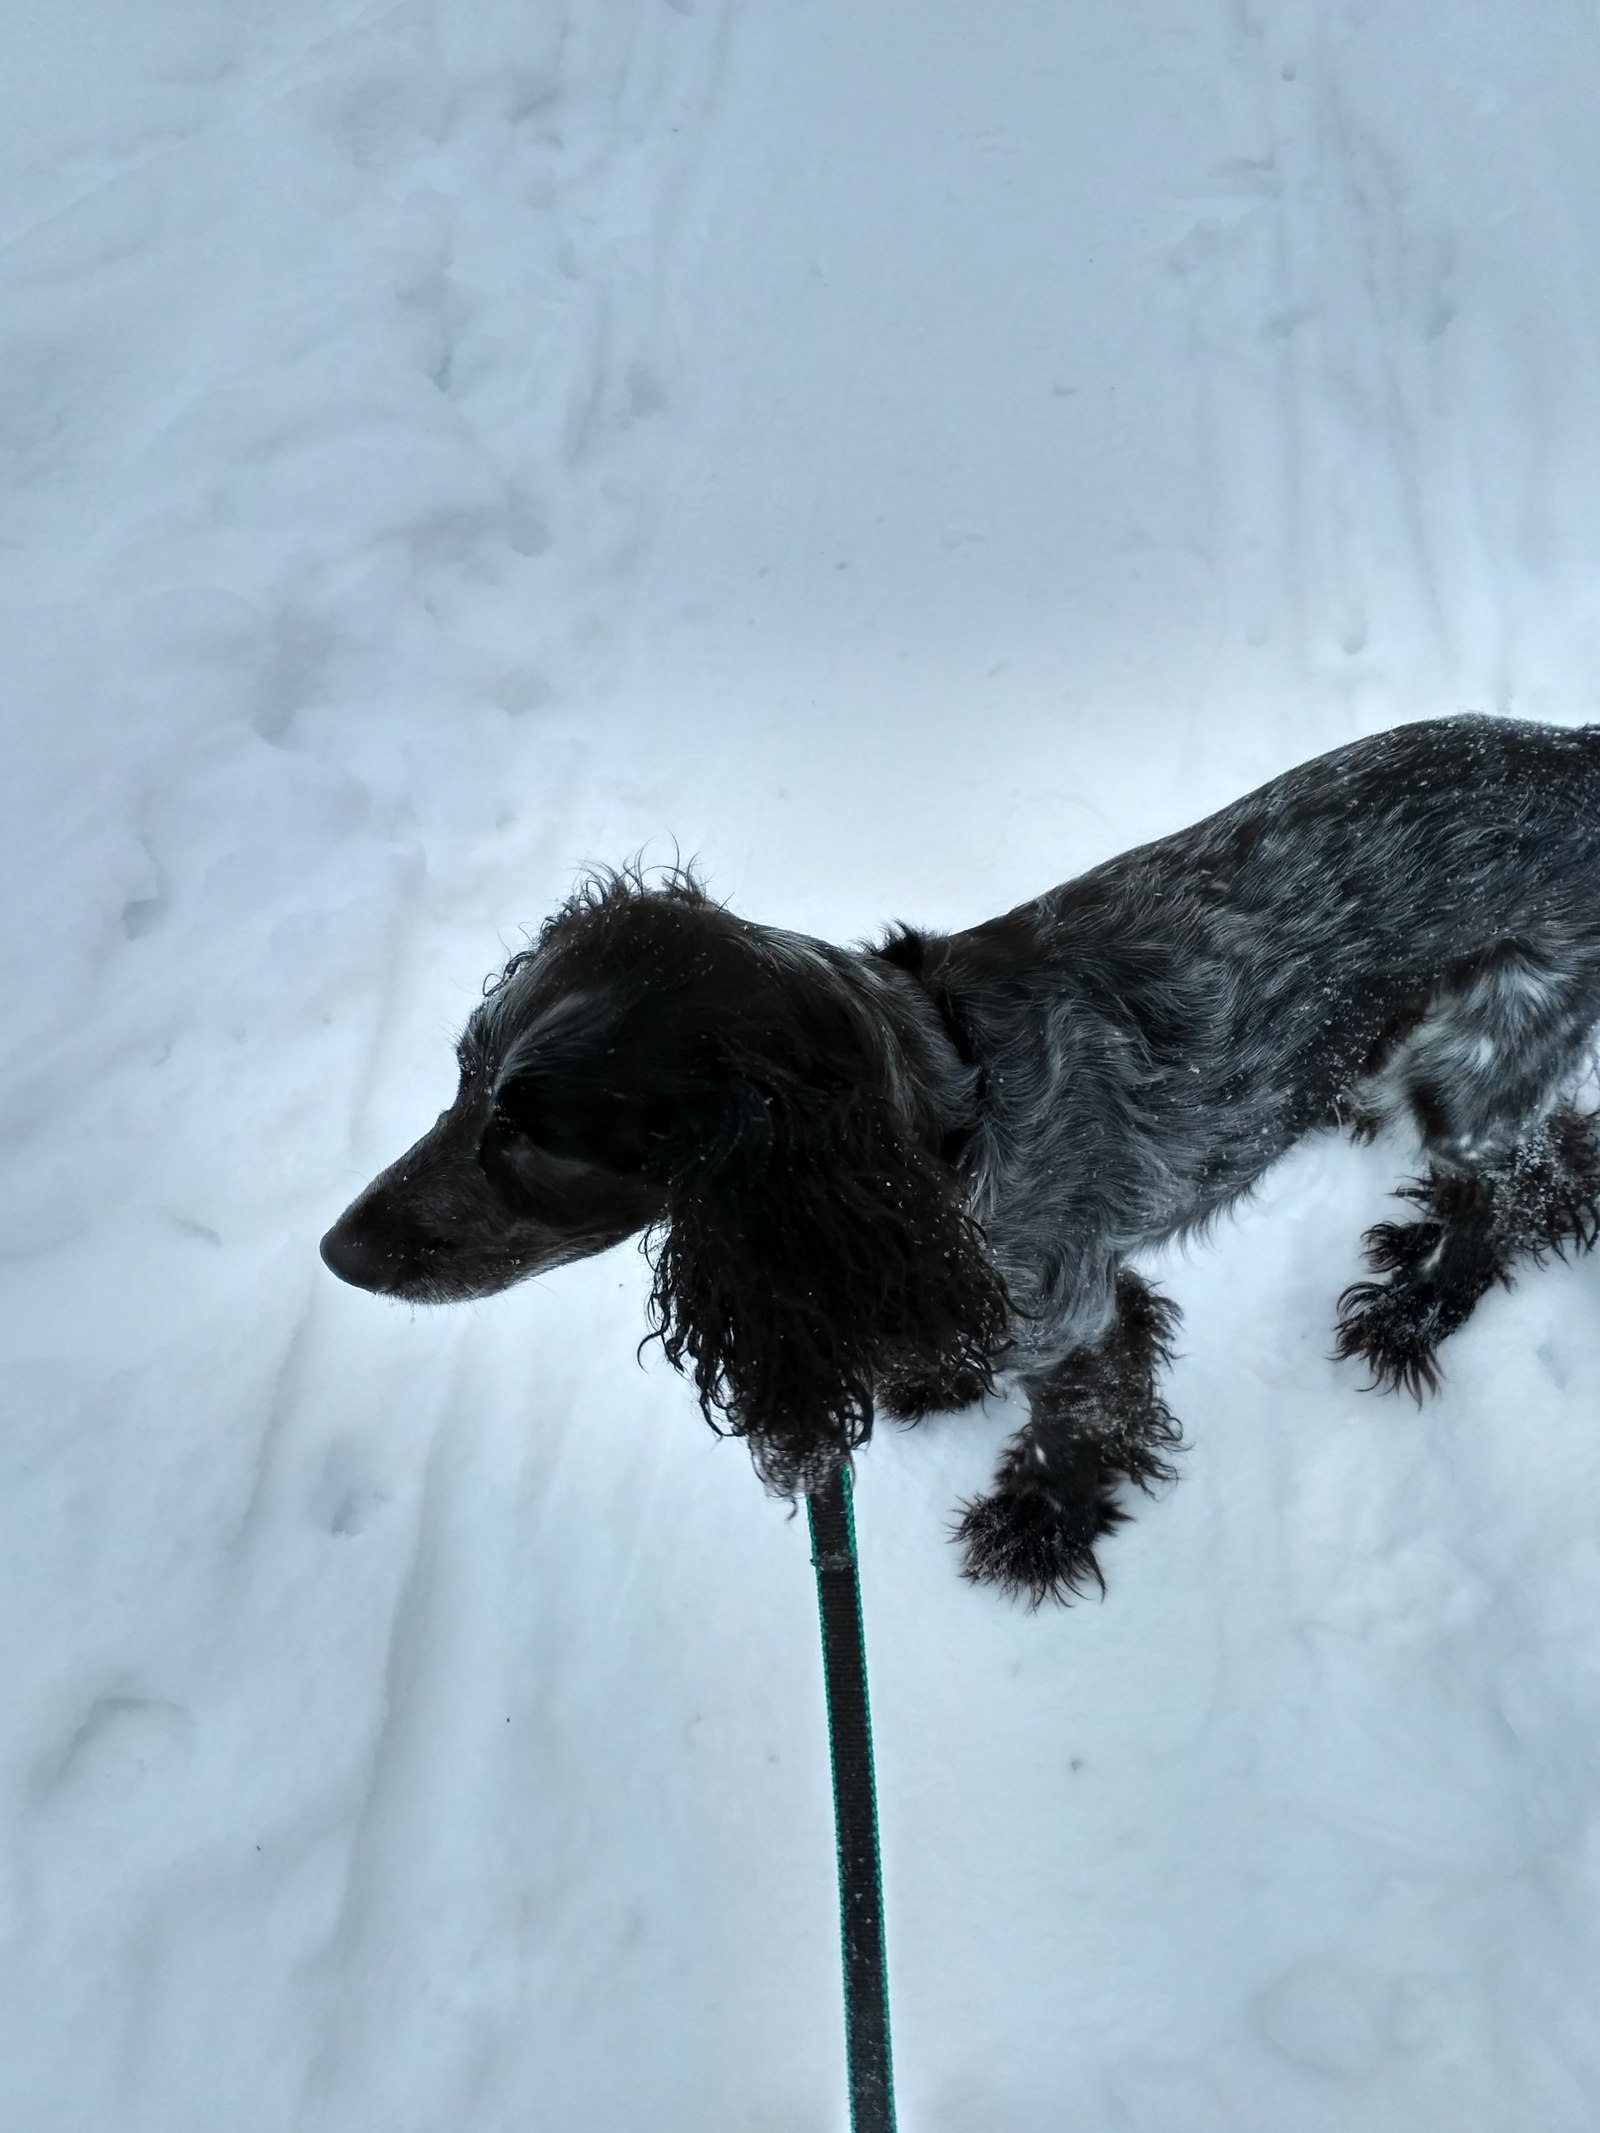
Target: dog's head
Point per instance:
(653, 1062)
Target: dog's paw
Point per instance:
(1395, 1332)
(1394, 1247)
(908, 1396)
(1035, 1543)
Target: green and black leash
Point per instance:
(855, 1807)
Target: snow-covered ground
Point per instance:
(904, 454)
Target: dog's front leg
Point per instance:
(1097, 1421)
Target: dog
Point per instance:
(882, 1179)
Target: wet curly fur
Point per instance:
(796, 1256)
(880, 1180)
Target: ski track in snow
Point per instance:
(904, 458)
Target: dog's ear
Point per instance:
(812, 1249)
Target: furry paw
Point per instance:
(1392, 1247)
(908, 1397)
(1036, 1543)
(1553, 1192)
(1396, 1332)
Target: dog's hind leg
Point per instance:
(1435, 1270)
(1540, 1197)
(1483, 1067)
(1512, 1176)
(1097, 1421)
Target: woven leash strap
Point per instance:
(855, 1808)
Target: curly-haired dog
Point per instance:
(880, 1177)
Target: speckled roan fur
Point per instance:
(876, 1178)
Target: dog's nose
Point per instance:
(358, 1257)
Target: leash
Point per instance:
(855, 1807)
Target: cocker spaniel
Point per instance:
(879, 1179)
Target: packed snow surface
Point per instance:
(901, 454)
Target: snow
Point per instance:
(902, 455)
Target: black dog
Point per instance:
(880, 1177)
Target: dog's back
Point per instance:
(1409, 923)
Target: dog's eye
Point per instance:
(518, 1165)
(495, 1150)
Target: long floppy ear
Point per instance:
(811, 1249)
